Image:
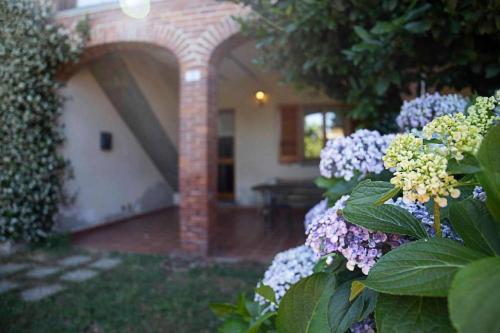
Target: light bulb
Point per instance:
(137, 9)
(260, 96)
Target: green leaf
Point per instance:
(492, 71)
(382, 28)
(369, 192)
(338, 264)
(337, 187)
(255, 328)
(386, 218)
(451, 5)
(409, 314)
(489, 159)
(420, 268)
(388, 195)
(266, 292)
(417, 12)
(343, 313)
(304, 307)
(357, 288)
(472, 221)
(474, 297)
(233, 325)
(467, 165)
(381, 86)
(418, 26)
(363, 34)
(323, 182)
(241, 306)
(222, 309)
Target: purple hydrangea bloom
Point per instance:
(316, 212)
(360, 153)
(365, 326)
(479, 193)
(417, 113)
(361, 247)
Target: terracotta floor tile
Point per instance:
(239, 233)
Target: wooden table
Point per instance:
(287, 195)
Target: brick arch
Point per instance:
(214, 38)
(123, 36)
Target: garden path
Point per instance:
(37, 276)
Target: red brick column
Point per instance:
(197, 158)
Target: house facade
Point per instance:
(170, 109)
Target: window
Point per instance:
(320, 125)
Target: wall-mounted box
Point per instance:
(106, 141)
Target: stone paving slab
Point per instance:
(79, 275)
(42, 272)
(40, 257)
(40, 292)
(74, 261)
(11, 268)
(106, 263)
(5, 286)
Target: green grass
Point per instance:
(140, 295)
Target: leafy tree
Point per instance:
(32, 47)
(369, 53)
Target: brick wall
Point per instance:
(198, 33)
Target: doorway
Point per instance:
(225, 158)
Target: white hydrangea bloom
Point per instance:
(360, 153)
(288, 267)
(417, 113)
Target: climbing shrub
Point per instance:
(32, 48)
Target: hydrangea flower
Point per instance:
(457, 134)
(420, 169)
(361, 152)
(316, 212)
(365, 326)
(360, 246)
(479, 193)
(481, 113)
(417, 113)
(287, 268)
(463, 134)
(420, 172)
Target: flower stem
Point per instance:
(437, 219)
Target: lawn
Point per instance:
(145, 293)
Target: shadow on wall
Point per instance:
(73, 218)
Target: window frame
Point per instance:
(347, 124)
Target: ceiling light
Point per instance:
(137, 9)
(260, 97)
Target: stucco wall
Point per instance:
(257, 133)
(160, 85)
(122, 182)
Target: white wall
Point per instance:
(258, 133)
(160, 85)
(111, 185)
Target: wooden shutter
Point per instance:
(290, 128)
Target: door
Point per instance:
(225, 161)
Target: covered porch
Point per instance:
(168, 127)
(240, 234)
